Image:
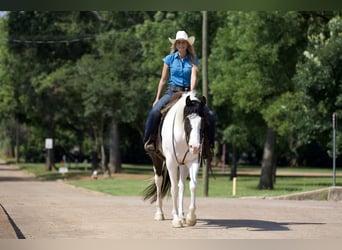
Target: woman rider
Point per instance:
(181, 67)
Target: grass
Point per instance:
(112, 186)
(38, 169)
(135, 178)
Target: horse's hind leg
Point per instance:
(158, 180)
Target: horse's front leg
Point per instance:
(183, 174)
(158, 180)
(173, 173)
(191, 216)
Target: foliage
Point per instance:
(260, 50)
(69, 74)
(320, 78)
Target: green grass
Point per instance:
(38, 169)
(112, 186)
(137, 177)
(219, 187)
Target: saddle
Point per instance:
(175, 97)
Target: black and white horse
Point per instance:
(181, 145)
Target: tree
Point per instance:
(43, 55)
(319, 78)
(110, 88)
(256, 63)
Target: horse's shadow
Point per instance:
(251, 225)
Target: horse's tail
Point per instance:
(150, 192)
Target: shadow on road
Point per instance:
(12, 179)
(16, 229)
(251, 225)
(13, 176)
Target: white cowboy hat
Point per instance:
(182, 35)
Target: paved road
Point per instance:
(35, 209)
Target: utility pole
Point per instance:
(334, 123)
(206, 166)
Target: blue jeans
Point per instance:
(154, 116)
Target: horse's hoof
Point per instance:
(159, 217)
(191, 223)
(183, 220)
(177, 223)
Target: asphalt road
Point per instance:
(33, 209)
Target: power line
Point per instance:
(48, 41)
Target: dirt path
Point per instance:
(34, 209)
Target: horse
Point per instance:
(180, 146)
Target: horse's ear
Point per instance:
(188, 101)
(204, 100)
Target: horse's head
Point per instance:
(193, 122)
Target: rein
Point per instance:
(173, 144)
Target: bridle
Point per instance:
(187, 140)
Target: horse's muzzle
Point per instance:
(195, 149)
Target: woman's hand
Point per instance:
(155, 101)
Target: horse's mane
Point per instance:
(178, 108)
(188, 104)
(193, 106)
(181, 104)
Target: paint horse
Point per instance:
(180, 147)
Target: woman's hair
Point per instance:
(190, 49)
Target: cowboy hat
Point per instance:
(182, 35)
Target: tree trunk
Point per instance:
(94, 161)
(114, 148)
(50, 160)
(50, 154)
(17, 142)
(94, 151)
(104, 165)
(269, 161)
(233, 170)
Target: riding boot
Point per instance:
(150, 144)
